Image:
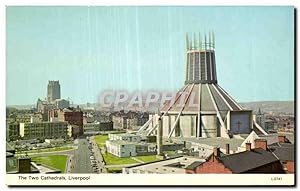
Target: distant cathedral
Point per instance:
(53, 91)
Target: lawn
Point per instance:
(114, 170)
(54, 161)
(55, 149)
(114, 160)
(146, 159)
(100, 140)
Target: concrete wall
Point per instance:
(209, 125)
(166, 126)
(121, 150)
(188, 125)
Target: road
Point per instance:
(81, 159)
(98, 155)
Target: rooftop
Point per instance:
(284, 151)
(121, 142)
(245, 161)
(217, 141)
(169, 166)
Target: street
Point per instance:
(81, 162)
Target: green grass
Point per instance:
(46, 150)
(114, 170)
(170, 153)
(54, 161)
(146, 159)
(100, 140)
(114, 160)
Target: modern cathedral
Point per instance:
(214, 113)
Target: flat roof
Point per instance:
(121, 142)
(170, 166)
(234, 143)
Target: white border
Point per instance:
(115, 3)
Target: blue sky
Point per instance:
(89, 49)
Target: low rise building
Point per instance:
(258, 160)
(43, 130)
(284, 150)
(175, 165)
(122, 148)
(125, 137)
(205, 145)
(98, 126)
(129, 120)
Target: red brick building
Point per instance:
(74, 116)
(284, 150)
(257, 160)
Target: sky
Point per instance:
(91, 49)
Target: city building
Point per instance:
(43, 130)
(73, 131)
(269, 125)
(73, 116)
(258, 160)
(270, 138)
(43, 107)
(126, 144)
(12, 130)
(205, 146)
(53, 91)
(121, 148)
(129, 120)
(124, 137)
(202, 108)
(174, 165)
(285, 153)
(97, 127)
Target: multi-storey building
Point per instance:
(74, 116)
(43, 130)
(12, 131)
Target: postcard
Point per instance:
(150, 96)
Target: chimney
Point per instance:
(216, 151)
(24, 165)
(281, 138)
(227, 149)
(261, 143)
(248, 146)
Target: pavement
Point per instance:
(98, 156)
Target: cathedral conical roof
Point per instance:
(201, 91)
